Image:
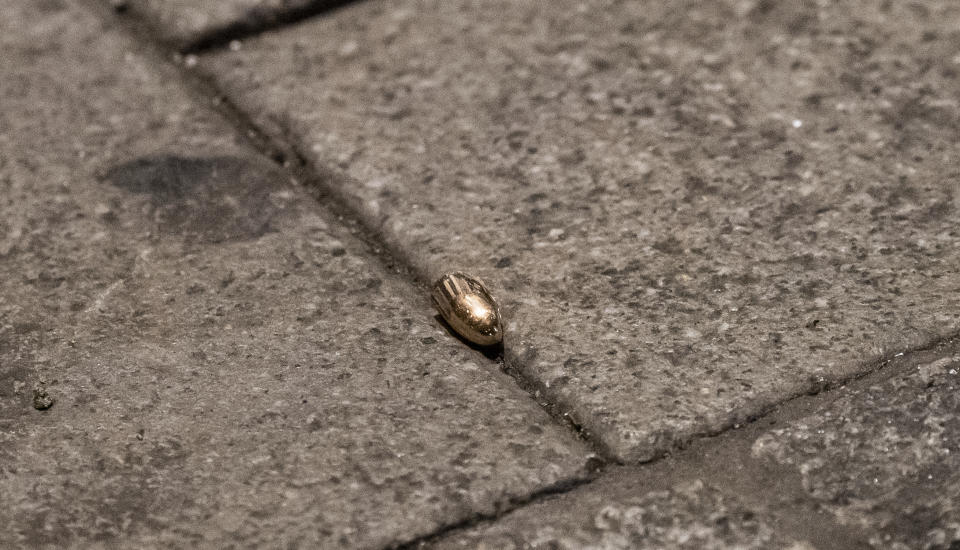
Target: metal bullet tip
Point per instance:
(467, 306)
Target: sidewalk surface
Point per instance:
(723, 236)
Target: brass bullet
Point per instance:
(467, 306)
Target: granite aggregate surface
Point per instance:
(691, 516)
(690, 211)
(869, 465)
(228, 366)
(885, 458)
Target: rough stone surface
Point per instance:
(187, 23)
(227, 367)
(610, 516)
(871, 465)
(690, 211)
(885, 457)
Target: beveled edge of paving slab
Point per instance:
(189, 25)
(873, 464)
(173, 292)
(682, 364)
(884, 456)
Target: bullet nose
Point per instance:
(482, 317)
(467, 306)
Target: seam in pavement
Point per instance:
(278, 145)
(255, 22)
(278, 142)
(280, 139)
(515, 504)
(814, 386)
(785, 410)
(287, 153)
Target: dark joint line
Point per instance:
(254, 22)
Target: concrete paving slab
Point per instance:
(871, 465)
(690, 211)
(228, 366)
(187, 24)
(885, 458)
(691, 516)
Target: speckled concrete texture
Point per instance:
(228, 367)
(690, 210)
(690, 516)
(870, 465)
(885, 457)
(185, 24)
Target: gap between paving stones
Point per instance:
(716, 457)
(283, 149)
(278, 145)
(242, 28)
(281, 140)
(275, 144)
(292, 164)
(479, 519)
(207, 234)
(699, 297)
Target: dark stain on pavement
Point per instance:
(206, 199)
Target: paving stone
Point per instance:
(228, 367)
(885, 457)
(689, 211)
(612, 516)
(188, 23)
(869, 465)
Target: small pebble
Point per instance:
(41, 399)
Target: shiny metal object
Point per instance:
(467, 306)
